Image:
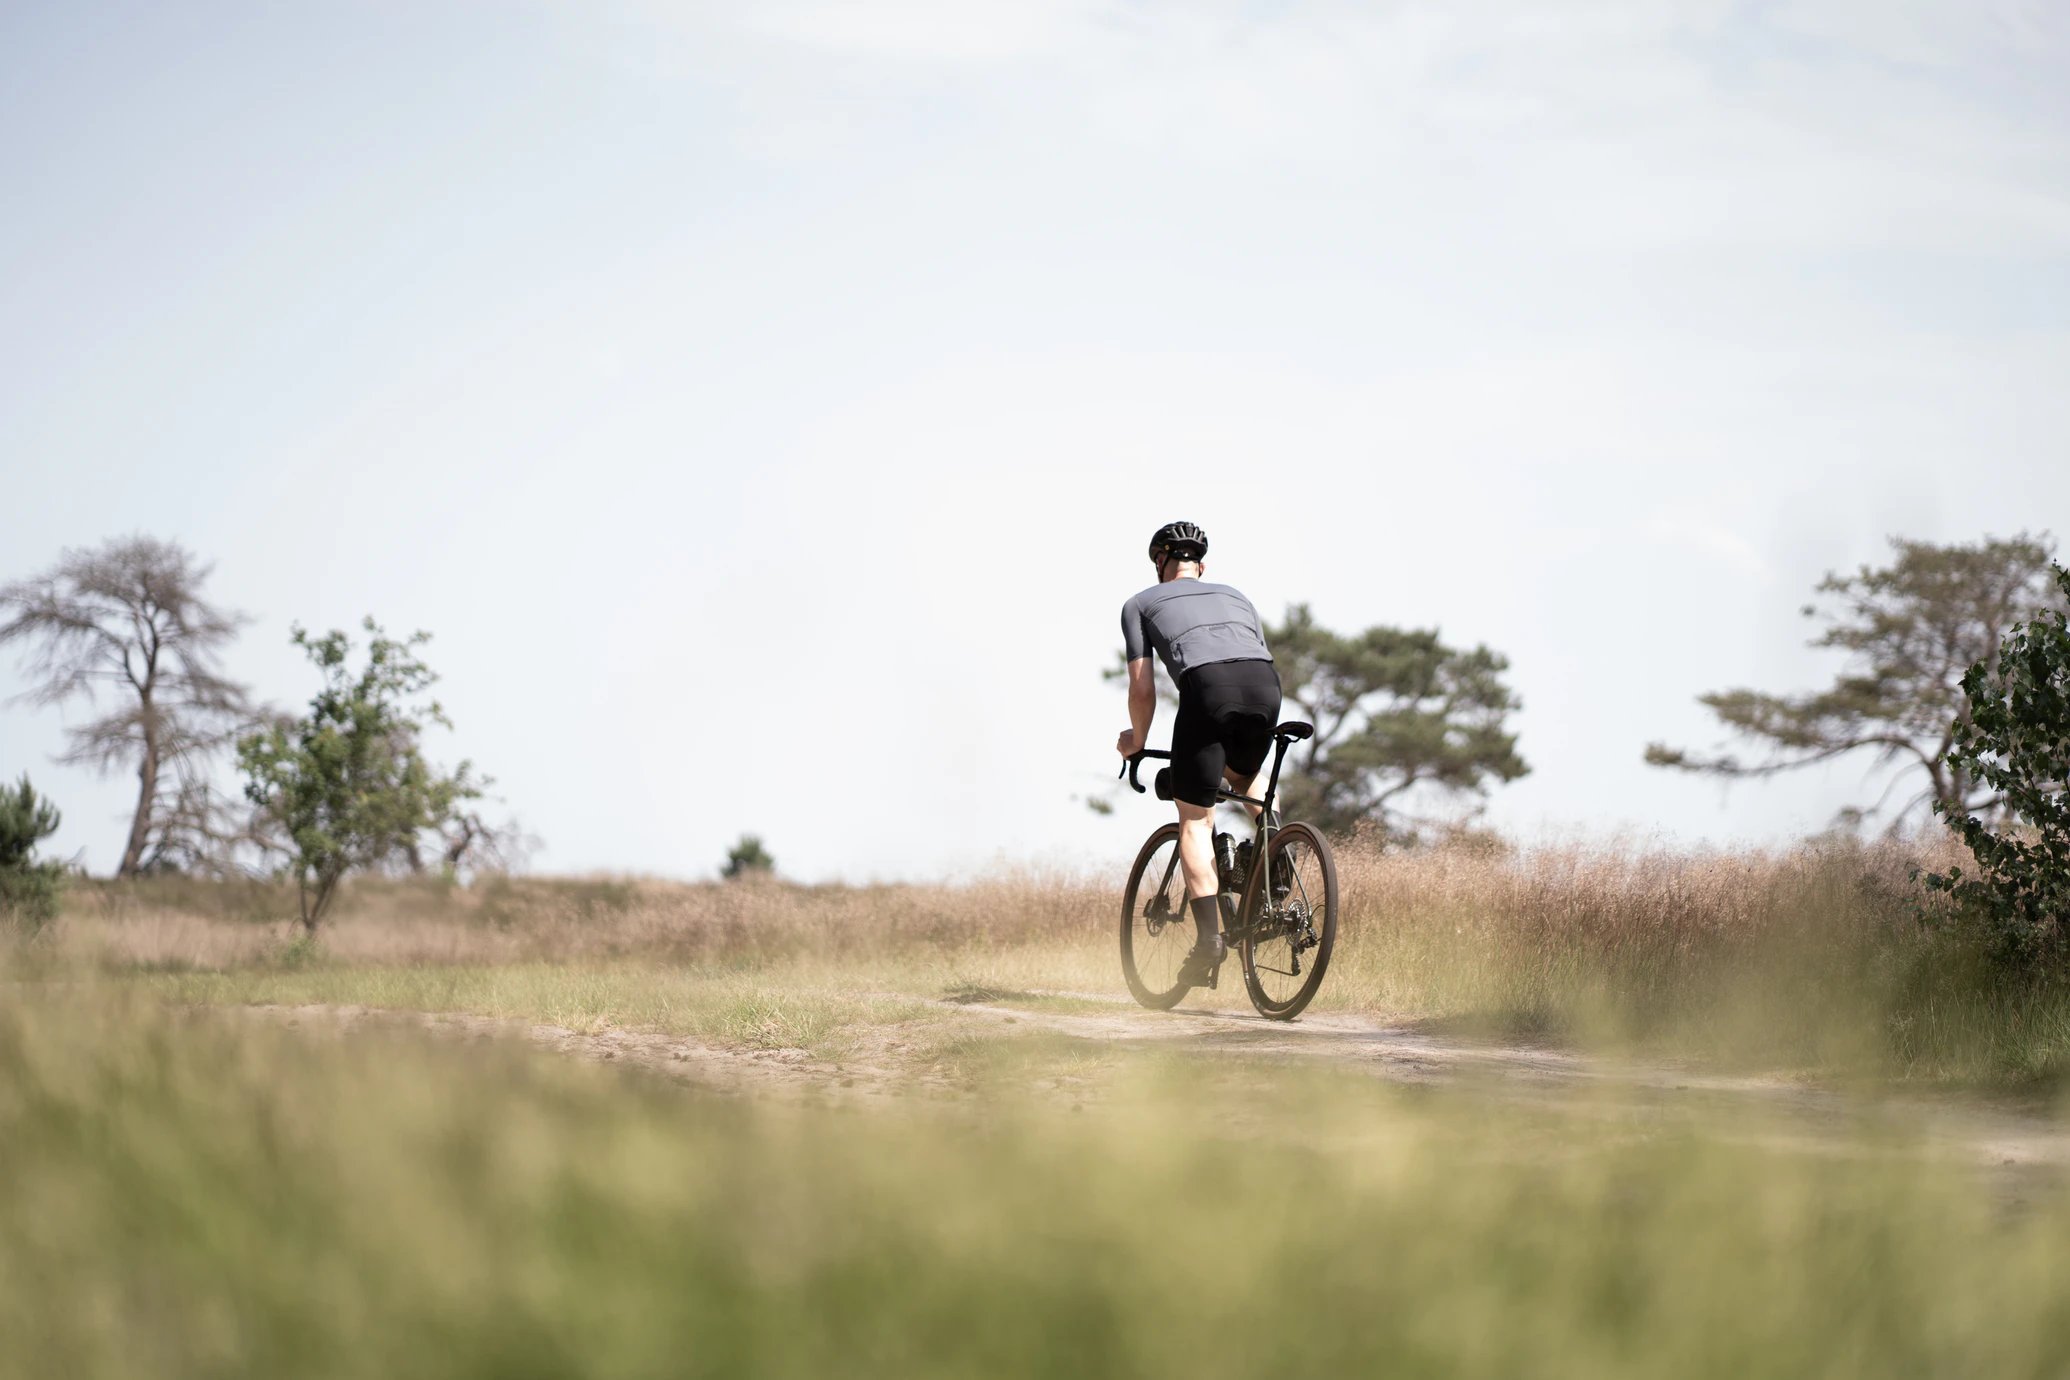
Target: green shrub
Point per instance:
(2015, 738)
(28, 889)
(748, 858)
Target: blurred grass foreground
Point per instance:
(191, 1187)
(196, 1193)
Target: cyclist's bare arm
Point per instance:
(1142, 705)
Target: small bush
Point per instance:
(2015, 738)
(28, 889)
(29, 896)
(748, 858)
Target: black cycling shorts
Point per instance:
(1227, 712)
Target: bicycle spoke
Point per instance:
(1289, 947)
(1157, 927)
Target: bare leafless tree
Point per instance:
(126, 622)
(468, 843)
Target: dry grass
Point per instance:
(1625, 939)
(182, 923)
(1810, 957)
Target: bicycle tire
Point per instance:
(1264, 948)
(1156, 942)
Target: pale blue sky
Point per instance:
(765, 405)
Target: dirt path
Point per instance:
(882, 1063)
(2004, 1133)
(762, 1072)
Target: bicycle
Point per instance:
(1272, 916)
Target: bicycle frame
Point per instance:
(1268, 819)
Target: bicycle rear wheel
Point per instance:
(1286, 947)
(1156, 928)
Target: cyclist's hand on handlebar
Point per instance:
(1126, 743)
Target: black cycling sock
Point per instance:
(1207, 917)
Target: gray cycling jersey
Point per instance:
(1192, 623)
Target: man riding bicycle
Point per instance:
(1213, 646)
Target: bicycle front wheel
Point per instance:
(1286, 947)
(1156, 928)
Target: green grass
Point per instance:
(1064, 1003)
(783, 1007)
(188, 1193)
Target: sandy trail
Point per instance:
(2008, 1133)
(767, 1072)
(883, 1063)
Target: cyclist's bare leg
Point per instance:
(1242, 786)
(1197, 838)
(1197, 857)
(1197, 849)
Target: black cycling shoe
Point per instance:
(1201, 963)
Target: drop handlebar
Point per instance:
(1135, 760)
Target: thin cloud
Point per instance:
(1727, 546)
(1600, 122)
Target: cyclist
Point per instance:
(1214, 647)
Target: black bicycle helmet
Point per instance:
(1180, 539)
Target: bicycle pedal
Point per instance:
(1214, 976)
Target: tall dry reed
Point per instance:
(1617, 940)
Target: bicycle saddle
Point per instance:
(1294, 731)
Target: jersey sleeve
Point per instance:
(1135, 638)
